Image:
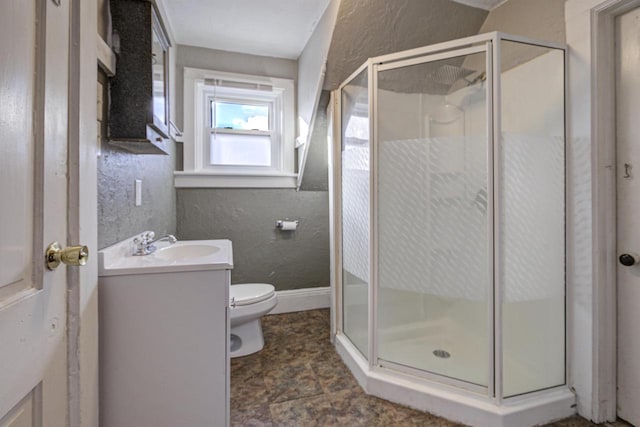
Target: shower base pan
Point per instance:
(462, 406)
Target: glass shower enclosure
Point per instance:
(450, 172)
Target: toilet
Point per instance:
(249, 302)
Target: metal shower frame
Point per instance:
(489, 44)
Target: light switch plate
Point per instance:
(138, 192)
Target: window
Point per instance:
(239, 131)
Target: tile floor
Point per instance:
(299, 380)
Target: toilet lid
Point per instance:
(250, 293)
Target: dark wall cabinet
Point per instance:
(139, 95)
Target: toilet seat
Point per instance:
(250, 293)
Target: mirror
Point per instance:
(157, 63)
(160, 71)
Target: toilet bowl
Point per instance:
(248, 303)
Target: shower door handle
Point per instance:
(629, 259)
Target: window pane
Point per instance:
(229, 115)
(531, 218)
(243, 150)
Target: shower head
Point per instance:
(449, 74)
(481, 77)
(429, 78)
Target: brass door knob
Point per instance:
(73, 255)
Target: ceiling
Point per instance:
(278, 28)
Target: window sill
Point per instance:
(189, 179)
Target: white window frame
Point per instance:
(198, 92)
(272, 100)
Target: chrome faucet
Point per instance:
(144, 244)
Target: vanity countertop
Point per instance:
(185, 255)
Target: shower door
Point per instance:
(355, 210)
(434, 216)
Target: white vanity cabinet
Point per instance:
(164, 356)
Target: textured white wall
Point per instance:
(539, 19)
(581, 284)
(312, 124)
(311, 70)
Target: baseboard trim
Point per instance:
(302, 299)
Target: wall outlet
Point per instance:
(138, 192)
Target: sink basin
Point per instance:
(185, 255)
(186, 251)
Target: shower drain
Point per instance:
(443, 354)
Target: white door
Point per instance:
(628, 191)
(34, 63)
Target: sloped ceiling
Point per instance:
(367, 28)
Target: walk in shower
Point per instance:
(449, 172)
